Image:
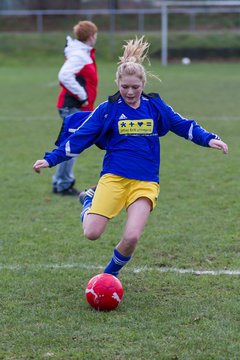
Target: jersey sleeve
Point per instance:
(189, 129)
(86, 135)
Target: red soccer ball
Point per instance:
(104, 292)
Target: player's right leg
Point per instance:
(94, 225)
(101, 204)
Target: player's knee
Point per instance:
(131, 239)
(94, 226)
(92, 234)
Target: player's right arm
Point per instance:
(39, 164)
(86, 135)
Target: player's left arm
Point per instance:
(219, 145)
(192, 131)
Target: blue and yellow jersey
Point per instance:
(129, 136)
(133, 149)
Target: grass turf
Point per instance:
(45, 262)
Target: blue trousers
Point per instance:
(64, 177)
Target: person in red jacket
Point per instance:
(78, 79)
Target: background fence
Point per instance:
(113, 20)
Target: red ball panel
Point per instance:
(104, 292)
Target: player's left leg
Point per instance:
(137, 215)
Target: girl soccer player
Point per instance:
(128, 125)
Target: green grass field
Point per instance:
(45, 262)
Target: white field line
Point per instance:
(28, 118)
(47, 118)
(129, 269)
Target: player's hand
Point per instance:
(219, 145)
(39, 164)
(85, 104)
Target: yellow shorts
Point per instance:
(114, 193)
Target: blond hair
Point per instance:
(84, 29)
(130, 63)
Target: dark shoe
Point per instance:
(70, 191)
(88, 192)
